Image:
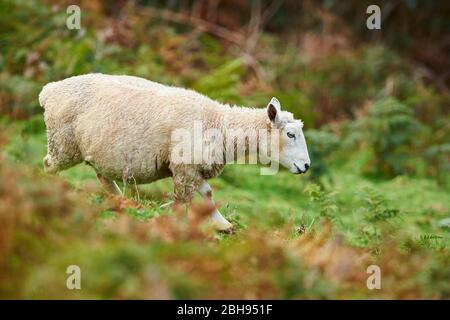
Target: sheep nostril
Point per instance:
(306, 167)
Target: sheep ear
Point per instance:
(273, 110)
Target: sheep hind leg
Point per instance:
(109, 184)
(50, 165)
(219, 222)
(62, 150)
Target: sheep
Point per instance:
(123, 127)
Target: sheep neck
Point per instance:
(251, 122)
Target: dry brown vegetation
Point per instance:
(42, 217)
(375, 108)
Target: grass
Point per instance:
(295, 239)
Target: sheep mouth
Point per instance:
(299, 171)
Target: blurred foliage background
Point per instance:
(376, 109)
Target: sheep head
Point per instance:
(293, 152)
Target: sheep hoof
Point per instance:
(220, 223)
(230, 230)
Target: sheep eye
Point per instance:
(291, 135)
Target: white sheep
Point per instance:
(122, 126)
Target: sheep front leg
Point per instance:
(185, 185)
(186, 181)
(219, 222)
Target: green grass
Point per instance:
(246, 197)
(366, 213)
(308, 236)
